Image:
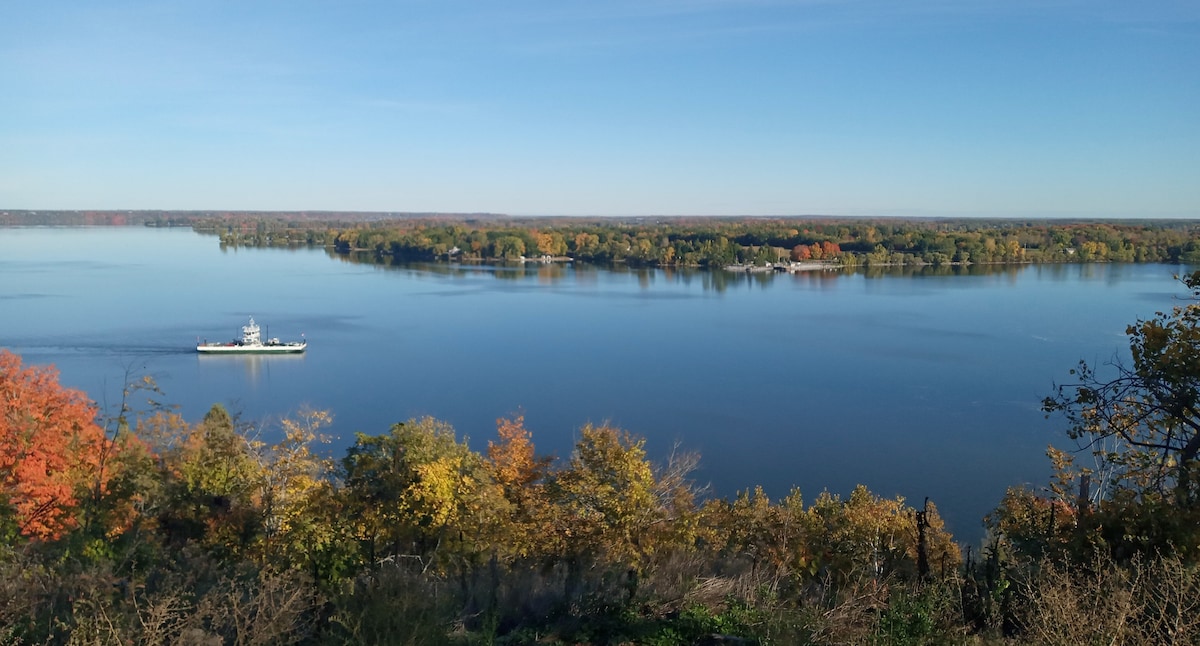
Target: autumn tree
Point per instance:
(49, 443)
(521, 475)
(1145, 421)
(770, 535)
(1141, 422)
(550, 244)
(676, 499)
(121, 498)
(1031, 524)
(418, 492)
(300, 506)
(867, 534)
(606, 500)
(213, 486)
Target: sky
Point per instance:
(1012, 108)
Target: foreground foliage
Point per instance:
(215, 530)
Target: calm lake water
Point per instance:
(916, 385)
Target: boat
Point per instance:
(253, 343)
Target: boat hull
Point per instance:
(224, 348)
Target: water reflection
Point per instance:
(652, 280)
(551, 273)
(712, 280)
(929, 271)
(257, 366)
(821, 280)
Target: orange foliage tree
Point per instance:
(49, 449)
(522, 474)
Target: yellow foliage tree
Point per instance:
(301, 511)
(606, 497)
(419, 493)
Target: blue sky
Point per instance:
(613, 107)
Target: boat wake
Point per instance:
(100, 349)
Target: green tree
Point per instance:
(509, 247)
(214, 484)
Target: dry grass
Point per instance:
(92, 607)
(1149, 602)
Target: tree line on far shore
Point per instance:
(718, 242)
